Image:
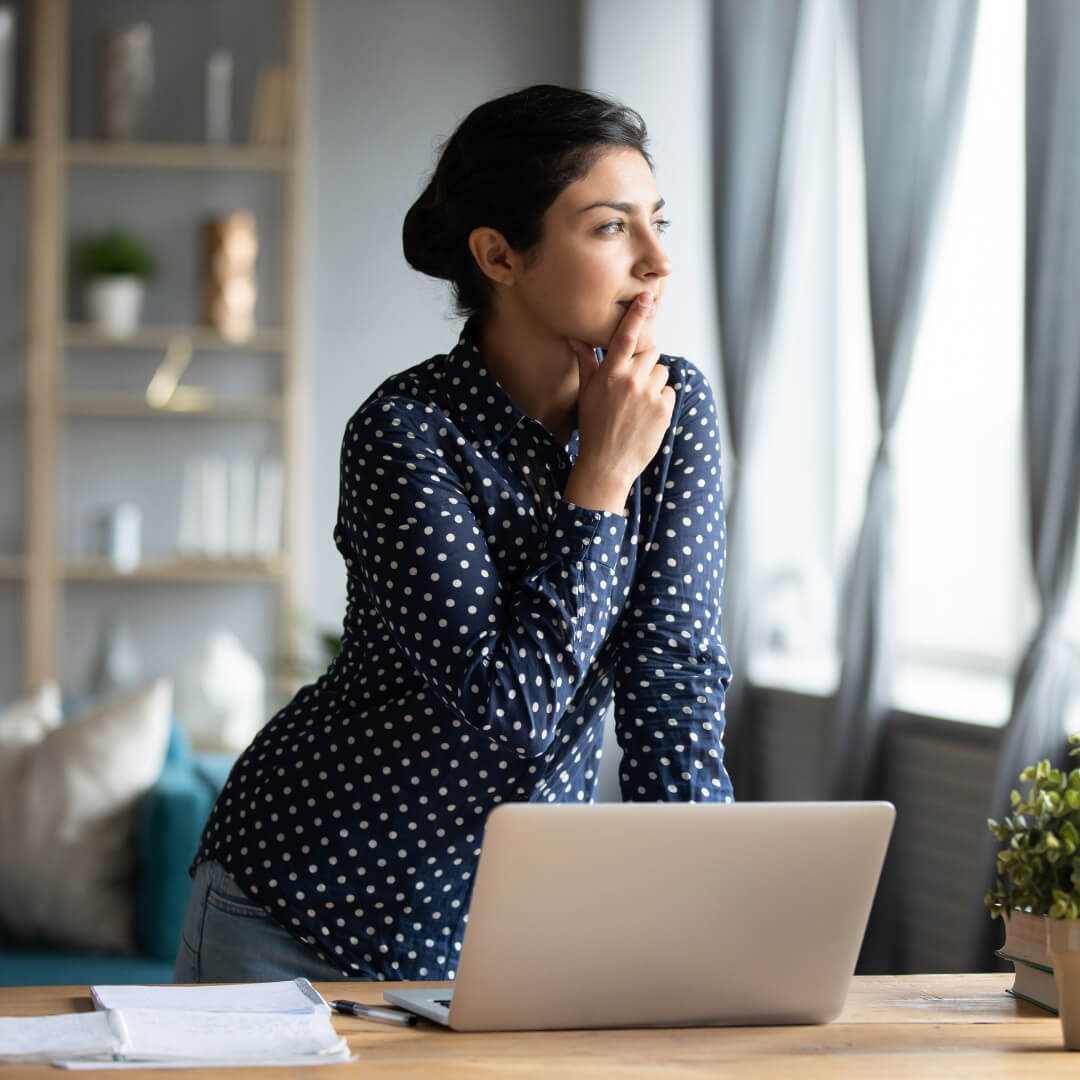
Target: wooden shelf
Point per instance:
(84, 336)
(124, 406)
(159, 155)
(14, 153)
(56, 160)
(179, 571)
(12, 568)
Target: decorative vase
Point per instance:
(231, 244)
(1063, 944)
(127, 81)
(114, 303)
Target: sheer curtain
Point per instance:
(913, 63)
(1047, 680)
(754, 46)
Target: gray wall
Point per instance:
(393, 80)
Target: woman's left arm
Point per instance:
(672, 672)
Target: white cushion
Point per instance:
(68, 806)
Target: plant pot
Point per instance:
(114, 304)
(1063, 944)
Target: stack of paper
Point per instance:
(285, 1023)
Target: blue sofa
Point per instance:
(170, 822)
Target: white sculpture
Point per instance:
(221, 696)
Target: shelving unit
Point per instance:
(203, 338)
(190, 571)
(176, 156)
(118, 406)
(45, 570)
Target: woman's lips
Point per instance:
(626, 304)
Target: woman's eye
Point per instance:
(661, 225)
(611, 227)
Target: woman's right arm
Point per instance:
(506, 656)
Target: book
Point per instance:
(284, 1023)
(1025, 948)
(270, 120)
(1034, 984)
(1025, 939)
(269, 502)
(241, 508)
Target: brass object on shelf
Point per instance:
(230, 244)
(164, 390)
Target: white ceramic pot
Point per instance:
(114, 304)
(1063, 944)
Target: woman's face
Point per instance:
(600, 247)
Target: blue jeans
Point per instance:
(227, 937)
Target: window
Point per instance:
(965, 602)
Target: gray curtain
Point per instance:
(914, 58)
(1047, 678)
(754, 44)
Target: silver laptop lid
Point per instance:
(653, 914)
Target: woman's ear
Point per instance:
(494, 256)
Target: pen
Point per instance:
(373, 1012)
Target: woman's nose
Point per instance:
(654, 260)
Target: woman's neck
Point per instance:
(536, 369)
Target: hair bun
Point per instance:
(425, 236)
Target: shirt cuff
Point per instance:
(582, 536)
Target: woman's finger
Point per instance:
(624, 341)
(586, 360)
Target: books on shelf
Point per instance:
(231, 509)
(283, 1023)
(270, 119)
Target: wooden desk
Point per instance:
(917, 1025)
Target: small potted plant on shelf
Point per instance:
(115, 266)
(1040, 883)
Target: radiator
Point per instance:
(938, 775)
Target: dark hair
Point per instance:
(505, 165)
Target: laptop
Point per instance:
(663, 915)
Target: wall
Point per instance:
(659, 63)
(391, 82)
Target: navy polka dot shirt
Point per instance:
(489, 626)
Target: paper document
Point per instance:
(70, 1035)
(290, 996)
(282, 1023)
(178, 1037)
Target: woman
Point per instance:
(530, 528)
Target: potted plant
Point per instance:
(1040, 864)
(115, 266)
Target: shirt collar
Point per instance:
(478, 403)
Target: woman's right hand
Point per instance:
(624, 408)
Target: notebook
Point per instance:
(663, 915)
(253, 1024)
